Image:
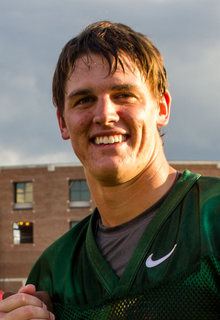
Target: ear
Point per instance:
(63, 128)
(164, 109)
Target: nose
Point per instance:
(105, 111)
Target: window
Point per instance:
(22, 232)
(79, 194)
(23, 195)
(73, 223)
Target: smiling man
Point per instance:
(112, 121)
(151, 248)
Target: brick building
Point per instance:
(37, 205)
(40, 203)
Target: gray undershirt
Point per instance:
(117, 244)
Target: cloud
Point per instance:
(33, 33)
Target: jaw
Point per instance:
(111, 168)
(118, 162)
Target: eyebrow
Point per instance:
(80, 92)
(87, 91)
(125, 86)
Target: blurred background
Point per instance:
(32, 34)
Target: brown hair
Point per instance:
(112, 41)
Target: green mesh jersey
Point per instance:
(180, 281)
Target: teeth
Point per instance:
(105, 140)
(110, 139)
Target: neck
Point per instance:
(121, 203)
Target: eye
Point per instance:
(84, 101)
(125, 97)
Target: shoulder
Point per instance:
(208, 189)
(204, 186)
(66, 243)
(199, 195)
(56, 257)
(55, 261)
(209, 181)
(204, 199)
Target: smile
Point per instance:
(110, 139)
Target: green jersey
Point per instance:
(174, 272)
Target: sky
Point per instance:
(32, 34)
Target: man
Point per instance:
(151, 249)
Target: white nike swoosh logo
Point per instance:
(153, 263)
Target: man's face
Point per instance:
(111, 120)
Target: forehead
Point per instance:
(96, 67)
(97, 60)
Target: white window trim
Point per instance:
(25, 205)
(79, 204)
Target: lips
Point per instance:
(110, 139)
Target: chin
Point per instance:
(108, 174)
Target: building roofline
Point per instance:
(52, 166)
(196, 163)
(48, 165)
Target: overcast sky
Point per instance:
(32, 34)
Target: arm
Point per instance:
(26, 305)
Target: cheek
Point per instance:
(80, 124)
(130, 116)
(146, 127)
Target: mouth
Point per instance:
(110, 139)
